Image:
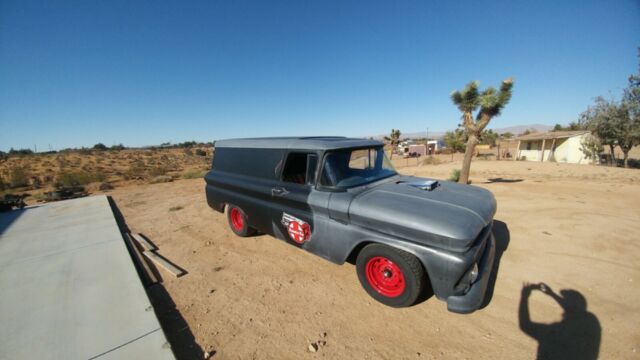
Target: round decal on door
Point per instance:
(299, 230)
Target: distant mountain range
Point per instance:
(518, 129)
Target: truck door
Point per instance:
(291, 214)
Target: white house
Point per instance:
(559, 146)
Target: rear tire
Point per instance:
(389, 275)
(238, 221)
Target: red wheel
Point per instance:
(385, 276)
(238, 221)
(391, 276)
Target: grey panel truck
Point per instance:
(341, 199)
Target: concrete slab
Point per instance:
(69, 289)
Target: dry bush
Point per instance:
(157, 171)
(455, 175)
(430, 160)
(77, 178)
(136, 171)
(193, 174)
(18, 176)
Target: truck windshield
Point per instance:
(349, 168)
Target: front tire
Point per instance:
(389, 275)
(238, 221)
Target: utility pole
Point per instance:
(428, 146)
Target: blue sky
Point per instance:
(139, 73)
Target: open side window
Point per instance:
(300, 168)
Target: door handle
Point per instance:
(280, 191)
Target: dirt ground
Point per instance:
(573, 227)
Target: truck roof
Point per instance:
(306, 143)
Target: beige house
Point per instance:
(559, 146)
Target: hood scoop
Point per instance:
(427, 185)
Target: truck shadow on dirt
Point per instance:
(503, 237)
(173, 324)
(576, 336)
(502, 180)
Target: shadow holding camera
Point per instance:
(577, 336)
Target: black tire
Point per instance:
(376, 257)
(238, 222)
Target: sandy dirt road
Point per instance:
(574, 227)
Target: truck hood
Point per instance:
(451, 216)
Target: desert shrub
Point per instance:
(38, 197)
(201, 152)
(36, 182)
(188, 151)
(161, 179)
(62, 162)
(430, 160)
(455, 175)
(193, 174)
(157, 171)
(2, 184)
(136, 171)
(77, 178)
(18, 177)
(105, 186)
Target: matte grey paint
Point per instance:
(448, 228)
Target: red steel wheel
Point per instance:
(238, 221)
(391, 276)
(385, 276)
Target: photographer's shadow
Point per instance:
(577, 336)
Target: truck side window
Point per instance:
(295, 169)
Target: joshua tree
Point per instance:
(490, 101)
(393, 139)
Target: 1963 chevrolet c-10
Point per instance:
(341, 199)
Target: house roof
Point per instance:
(307, 143)
(551, 135)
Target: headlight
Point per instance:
(473, 275)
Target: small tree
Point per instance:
(490, 102)
(591, 147)
(630, 116)
(455, 140)
(393, 139)
(614, 124)
(598, 119)
(507, 135)
(99, 146)
(488, 137)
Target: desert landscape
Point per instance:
(93, 169)
(572, 227)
